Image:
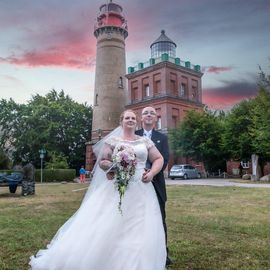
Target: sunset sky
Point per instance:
(50, 44)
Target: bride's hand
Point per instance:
(105, 164)
(110, 175)
(147, 176)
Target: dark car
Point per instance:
(184, 171)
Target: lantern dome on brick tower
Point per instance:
(163, 45)
(110, 15)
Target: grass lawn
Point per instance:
(209, 227)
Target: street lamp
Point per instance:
(42, 153)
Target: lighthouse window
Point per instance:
(120, 83)
(96, 100)
(163, 47)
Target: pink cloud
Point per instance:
(220, 101)
(216, 70)
(79, 56)
(228, 96)
(58, 43)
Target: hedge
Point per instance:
(6, 171)
(57, 175)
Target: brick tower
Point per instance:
(110, 95)
(172, 86)
(167, 83)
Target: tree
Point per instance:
(260, 128)
(236, 138)
(57, 161)
(11, 114)
(247, 126)
(54, 122)
(199, 137)
(4, 160)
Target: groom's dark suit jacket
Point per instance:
(161, 142)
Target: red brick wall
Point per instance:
(232, 166)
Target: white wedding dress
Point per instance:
(98, 237)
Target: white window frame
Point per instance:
(159, 123)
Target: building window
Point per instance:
(96, 100)
(245, 165)
(159, 122)
(183, 90)
(174, 121)
(173, 87)
(146, 90)
(120, 82)
(194, 92)
(157, 88)
(134, 93)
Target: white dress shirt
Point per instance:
(147, 134)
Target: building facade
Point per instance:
(165, 82)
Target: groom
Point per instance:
(149, 119)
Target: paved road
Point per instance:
(215, 182)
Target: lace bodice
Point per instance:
(140, 146)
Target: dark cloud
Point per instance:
(194, 20)
(236, 88)
(226, 96)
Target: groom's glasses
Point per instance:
(151, 113)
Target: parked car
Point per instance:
(184, 171)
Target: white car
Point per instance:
(184, 171)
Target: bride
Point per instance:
(98, 236)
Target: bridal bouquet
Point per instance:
(124, 163)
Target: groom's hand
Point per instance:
(147, 176)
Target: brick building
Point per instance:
(167, 83)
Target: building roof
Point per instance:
(163, 38)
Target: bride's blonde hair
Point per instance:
(123, 113)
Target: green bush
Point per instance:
(6, 171)
(57, 175)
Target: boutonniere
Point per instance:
(158, 141)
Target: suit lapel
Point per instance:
(154, 136)
(156, 140)
(140, 132)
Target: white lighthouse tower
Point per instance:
(110, 95)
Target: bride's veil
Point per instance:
(99, 176)
(98, 179)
